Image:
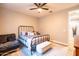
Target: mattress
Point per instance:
(26, 40)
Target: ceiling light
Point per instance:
(39, 9)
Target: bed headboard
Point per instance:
(25, 29)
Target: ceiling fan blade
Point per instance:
(33, 8)
(36, 4)
(45, 8)
(43, 4)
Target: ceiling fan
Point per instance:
(39, 6)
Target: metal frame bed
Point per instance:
(35, 40)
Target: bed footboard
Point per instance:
(37, 40)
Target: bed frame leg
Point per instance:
(31, 53)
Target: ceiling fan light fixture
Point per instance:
(39, 9)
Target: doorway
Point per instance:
(73, 28)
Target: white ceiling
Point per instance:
(24, 8)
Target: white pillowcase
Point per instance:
(23, 33)
(30, 33)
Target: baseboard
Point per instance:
(60, 43)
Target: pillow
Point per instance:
(11, 37)
(26, 33)
(23, 33)
(36, 33)
(3, 39)
(30, 33)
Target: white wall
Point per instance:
(11, 20)
(56, 26)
